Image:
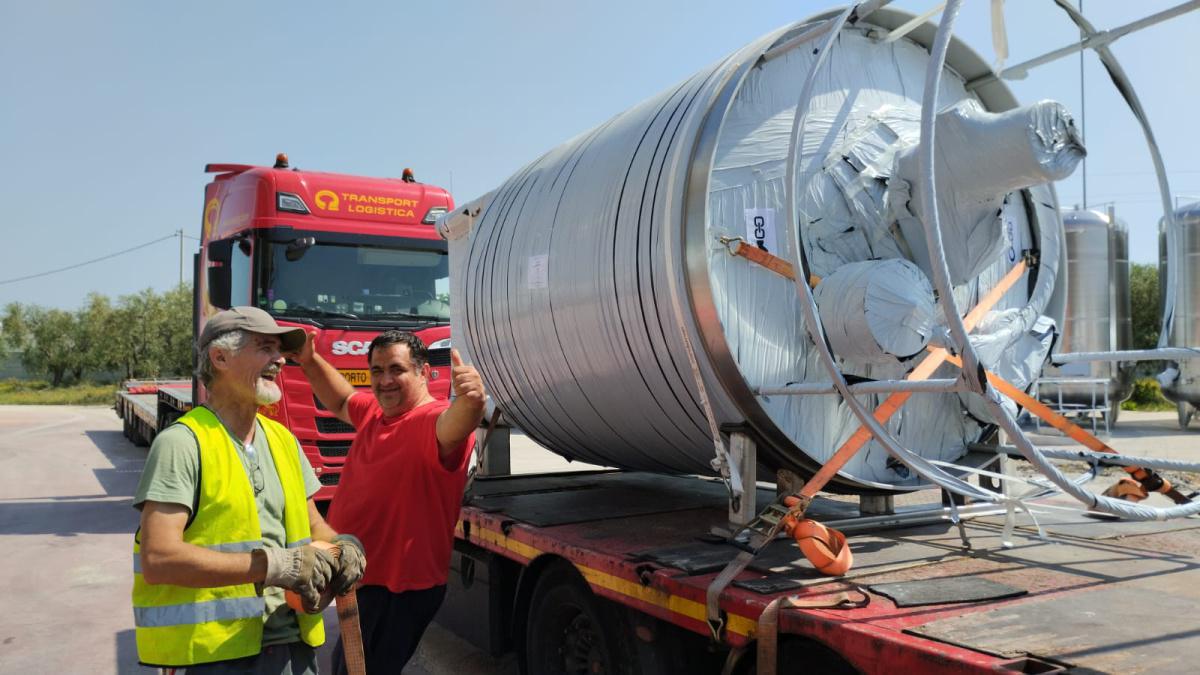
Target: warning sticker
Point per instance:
(760, 228)
(538, 271)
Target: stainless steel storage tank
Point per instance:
(1098, 314)
(1182, 380)
(563, 276)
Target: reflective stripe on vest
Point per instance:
(199, 612)
(236, 547)
(181, 626)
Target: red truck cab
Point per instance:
(345, 256)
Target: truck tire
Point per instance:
(1185, 411)
(571, 631)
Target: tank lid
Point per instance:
(1188, 210)
(1084, 218)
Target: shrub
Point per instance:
(40, 392)
(1147, 396)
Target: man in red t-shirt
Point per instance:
(401, 487)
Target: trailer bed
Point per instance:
(1100, 595)
(147, 407)
(143, 406)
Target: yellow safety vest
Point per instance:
(180, 626)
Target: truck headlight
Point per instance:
(292, 203)
(432, 214)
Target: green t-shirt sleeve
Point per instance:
(311, 484)
(172, 469)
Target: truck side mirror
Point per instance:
(298, 247)
(220, 254)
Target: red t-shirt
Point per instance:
(397, 497)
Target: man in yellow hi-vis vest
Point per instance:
(227, 519)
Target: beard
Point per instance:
(266, 392)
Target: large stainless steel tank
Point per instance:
(1184, 389)
(1098, 313)
(563, 275)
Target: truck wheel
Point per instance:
(1185, 411)
(1114, 412)
(571, 631)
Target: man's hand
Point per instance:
(466, 381)
(351, 563)
(464, 414)
(307, 570)
(331, 389)
(304, 353)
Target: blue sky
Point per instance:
(111, 110)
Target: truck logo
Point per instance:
(326, 200)
(351, 347)
(210, 215)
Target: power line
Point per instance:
(89, 262)
(1172, 172)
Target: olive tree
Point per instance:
(1143, 298)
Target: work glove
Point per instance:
(304, 569)
(351, 564)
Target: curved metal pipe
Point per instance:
(1125, 87)
(958, 331)
(812, 320)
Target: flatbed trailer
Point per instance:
(147, 406)
(613, 567)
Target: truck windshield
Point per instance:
(355, 282)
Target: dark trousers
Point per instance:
(392, 626)
(294, 658)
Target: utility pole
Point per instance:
(1082, 112)
(180, 233)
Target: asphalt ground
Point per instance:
(67, 476)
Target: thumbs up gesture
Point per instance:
(465, 380)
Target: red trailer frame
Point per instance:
(518, 527)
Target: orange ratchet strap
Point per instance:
(797, 504)
(1147, 479)
(758, 256)
(825, 548)
(767, 635)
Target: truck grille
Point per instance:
(321, 406)
(332, 425)
(330, 478)
(439, 357)
(333, 448)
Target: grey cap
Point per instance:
(254, 320)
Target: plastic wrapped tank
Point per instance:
(1181, 381)
(1098, 313)
(563, 276)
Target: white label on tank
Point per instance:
(1012, 240)
(538, 267)
(760, 228)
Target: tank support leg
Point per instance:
(742, 452)
(496, 457)
(876, 505)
